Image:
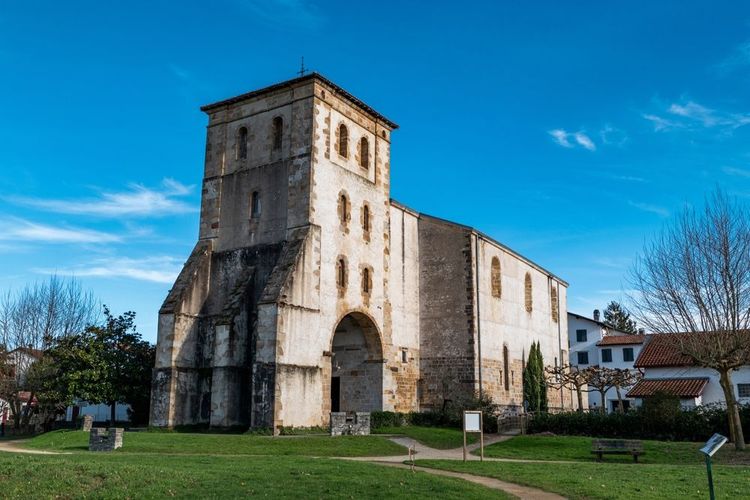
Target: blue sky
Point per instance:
(570, 131)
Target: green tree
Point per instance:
(107, 363)
(534, 383)
(543, 403)
(616, 316)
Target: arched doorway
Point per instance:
(356, 365)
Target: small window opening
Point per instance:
(495, 278)
(404, 356)
(278, 131)
(366, 280)
(528, 293)
(506, 368)
(364, 153)
(242, 143)
(366, 219)
(255, 205)
(343, 209)
(343, 141)
(341, 273)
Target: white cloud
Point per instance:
(661, 124)
(561, 137)
(739, 172)
(693, 116)
(585, 141)
(158, 269)
(628, 178)
(610, 135)
(139, 201)
(23, 230)
(647, 207)
(739, 58)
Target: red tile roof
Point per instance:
(661, 350)
(622, 340)
(683, 387)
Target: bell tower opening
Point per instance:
(356, 365)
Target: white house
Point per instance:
(666, 370)
(594, 343)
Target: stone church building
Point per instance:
(310, 290)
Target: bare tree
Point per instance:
(694, 279)
(624, 379)
(568, 377)
(30, 321)
(601, 379)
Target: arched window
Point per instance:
(527, 292)
(255, 205)
(242, 143)
(506, 368)
(278, 132)
(554, 305)
(366, 283)
(364, 153)
(343, 141)
(343, 209)
(365, 219)
(495, 278)
(341, 273)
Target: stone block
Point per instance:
(350, 424)
(88, 423)
(105, 439)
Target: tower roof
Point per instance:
(294, 81)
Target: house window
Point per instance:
(627, 354)
(581, 335)
(341, 273)
(583, 358)
(495, 277)
(506, 368)
(743, 390)
(366, 281)
(255, 205)
(364, 153)
(242, 143)
(527, 292)
(606, 355)
(343, 141)
(553, 300)
(278, 131)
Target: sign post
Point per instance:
(712, 446)
(473, 424)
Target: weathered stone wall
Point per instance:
(350, 424)
(105, 439)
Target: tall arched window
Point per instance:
(242, 143)
(495, 278)
(366, 283)
(506, 368)
(527, 292)
(343, 209)
(364, 153)
(554, 305)
(365, 218)
(255, 205)
(343, 141)
(278, 132)
(341, 273)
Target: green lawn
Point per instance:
(612, 481)
(226, 444)
(131, 475)
(441, 438)
(578, 448)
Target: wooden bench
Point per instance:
(602, 447)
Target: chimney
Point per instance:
(641, 331)
(596, 314)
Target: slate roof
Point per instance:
(683, 387)
(622, 340)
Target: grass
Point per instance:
(226, 444)
(131, 475)
(441, 438)
(610, 480)
(577, 448)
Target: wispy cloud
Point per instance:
(610, 135)
(613, 262)
(693, 116)
(138, 201)
(628, 178)
(570, 139)
(647, 207)
(15, 229)
(288, 13)
(739, 58)
(739, 172)
(158, 269)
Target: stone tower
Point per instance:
(282, 311)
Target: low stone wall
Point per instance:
(350, 424)
(105, 439)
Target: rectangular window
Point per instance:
(583, 358)
(743, 390)
(627, 354)
(606, 355)
(404, 356)
(581, 335)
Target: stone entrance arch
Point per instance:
(356, 365)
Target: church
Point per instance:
(310, 290)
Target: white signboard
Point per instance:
(713, 444)
(472, 422)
